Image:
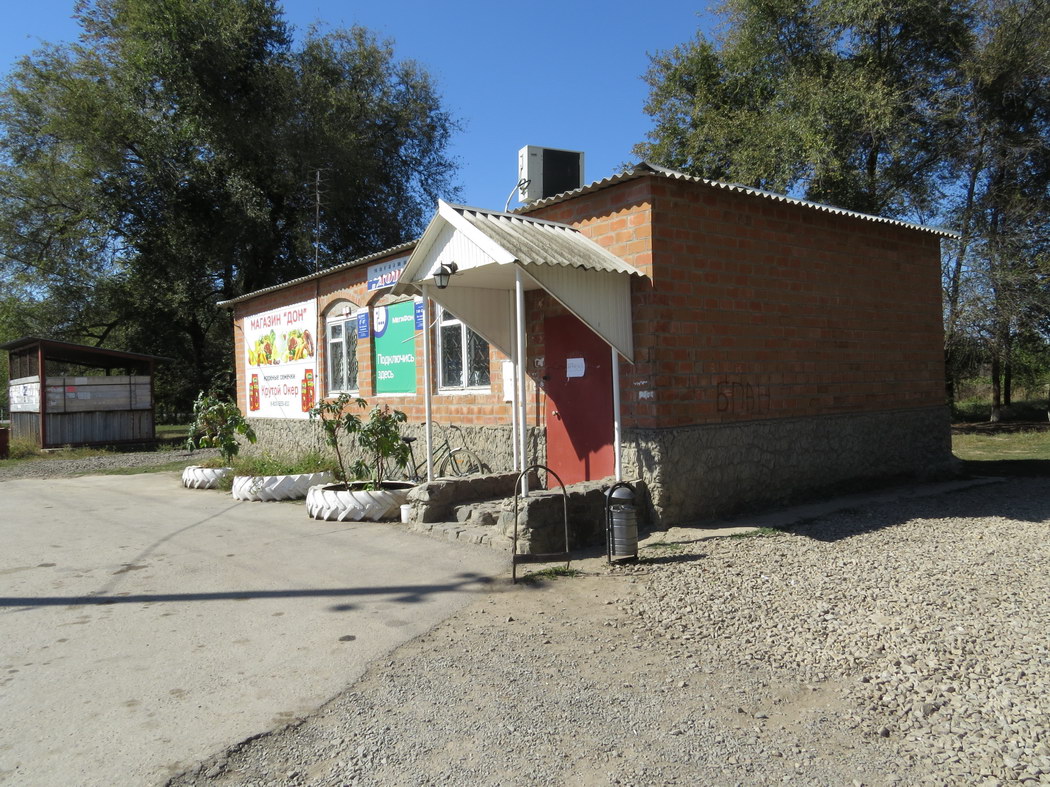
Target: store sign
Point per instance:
(385, 274)
(281, 361)
(394, 332)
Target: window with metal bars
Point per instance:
(341, 350)
(463, 355)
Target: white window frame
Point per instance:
(440, 322)
(345, 315)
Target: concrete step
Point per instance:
(484, 513)
(487, 536)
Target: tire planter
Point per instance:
(197, 477)
(267, 488)
(336, 503)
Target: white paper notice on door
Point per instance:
(575, 367)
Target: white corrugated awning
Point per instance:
(488, 247)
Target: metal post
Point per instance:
(519, 309)
(427, 387)
(41, 362)
(617, 456)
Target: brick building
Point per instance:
(765, 348)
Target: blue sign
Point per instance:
(419, 315)
(362, 325)
(385, 274)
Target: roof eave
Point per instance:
(231, 302)
(645, 169)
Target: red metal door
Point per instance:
(578, 378)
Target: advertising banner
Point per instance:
(394, 332)
(281, 361)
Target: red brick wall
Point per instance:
(469, 408)
(752, 309)
(621, 220)
(761, 309)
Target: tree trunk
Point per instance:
(949, 376)
(997, 399)
(1008, 376)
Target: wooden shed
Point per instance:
(63, 394)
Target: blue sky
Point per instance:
(556, 74)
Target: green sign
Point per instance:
(394, 336)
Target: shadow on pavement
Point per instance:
(405, 594)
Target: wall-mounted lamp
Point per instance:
(444, 273)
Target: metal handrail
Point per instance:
(547, 557)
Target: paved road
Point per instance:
(144, 626)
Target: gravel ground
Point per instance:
(57, 468)
(901, 643)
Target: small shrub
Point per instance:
(21, 448)
(216, 424)
(379, 438)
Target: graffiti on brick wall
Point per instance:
(742, 397)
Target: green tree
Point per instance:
(927, 110)
(847, 102)
(183, 152)
(998, 275)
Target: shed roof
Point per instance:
(538, 242)
(490, 248)
(82, 354)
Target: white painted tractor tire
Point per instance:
(197, 477)
(332, 503)
(267, 488)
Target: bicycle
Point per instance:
(448, 461)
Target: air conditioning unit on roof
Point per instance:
(548, 171)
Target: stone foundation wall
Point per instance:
(542, 517)
(701, 472)
(288, 438)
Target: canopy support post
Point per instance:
(617, 424)
(519, 309)
(427, 387)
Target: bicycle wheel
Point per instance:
(462, 461)
(420, 472)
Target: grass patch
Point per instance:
(173, 433)
(1004, 453)
(662, 546)
(264, 464)
(551, 573)
(22, 450)
(980, 410)
(762, 532)
(1001, 446)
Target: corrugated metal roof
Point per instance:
(490, 249)
(310, 277)
(645, 168)
(537, 242)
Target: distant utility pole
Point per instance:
(317, 220)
